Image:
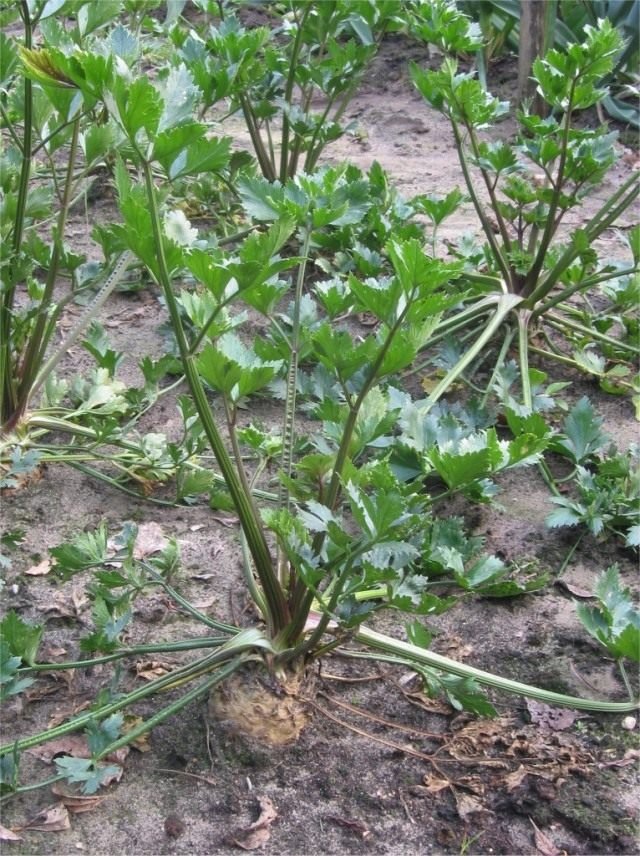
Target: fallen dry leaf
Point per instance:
(149, 670)
(76, 803)
(257, 835)
(8, 834)
(354, 825)
(71, 744)
(149, 540)
(173, 826)
(40, 569)
(544, 845)
(434, 785)
(468, 805)
(206, 603)
(576, 591)
(53, 818)
(553, 718)
(62, 714)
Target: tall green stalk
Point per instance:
(8, 391)
(278, 613)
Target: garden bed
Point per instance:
(383, 769)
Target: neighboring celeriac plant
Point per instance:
(277, 75)
(47, 118)
(529, 187)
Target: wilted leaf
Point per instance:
(8, 834)
(434, 785)
(76, 803)
(257, 835)
(54, 818)
(74, 745)
(553, 718)
(149, 670)
(468, 805)
(354, 825)
(40, 569)
(150, 539)
(544, 845)
(576, 591)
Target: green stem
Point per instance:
(411, 653)
(161, 648)
(243, 643)
(288, 430)
(504, 304)
(523, 353)
(531, 279)
(188, 672)
(87, 316)
(288, 93)
(9, 397)
(45, 323)
(560, 323)
(606, 215)
(148, 724)
(583, 285)
(244, 504)
(486, 226)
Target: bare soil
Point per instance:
(381, 769)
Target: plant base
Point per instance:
(258, 706)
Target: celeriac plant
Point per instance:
(527, 189)
(350, 530)
(57, 144)
(292, 80)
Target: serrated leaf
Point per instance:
(84, 771)
(582, 430)
(23, 639)
(10, 684)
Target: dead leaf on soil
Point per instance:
(53, 818)
(553, 718)
(457, 649)
(141, 743)
(468, 805)
(206, 603)
(149, 670)
(544, 845)
(354, 825)
(76, 803)
(149, 540)
(434, 785)
(40, 569)
(574, 590)
(61, 715)
(516, 778)
(257, 835)
(8, 834)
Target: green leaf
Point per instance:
(86, 550)
(234, 369)
(180, 95)
(418, 634)
(10, 684)
(614, 622)
(23, 639)
(92, 16)
(102, 734)
(124, 44)
(582, 433)
(86, 772)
